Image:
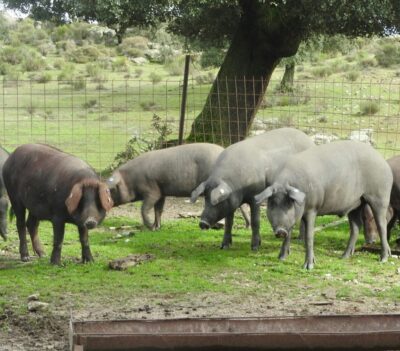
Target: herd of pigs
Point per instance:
(282, 167)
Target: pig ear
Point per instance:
(296, 195)
(105, 197)
(197, 192)
(264, 195)
(220, 193)
(74, 197)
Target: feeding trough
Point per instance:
(335, 332)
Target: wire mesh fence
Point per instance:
(95, 120)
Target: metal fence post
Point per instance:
(184, 96)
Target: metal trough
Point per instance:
(376, 331)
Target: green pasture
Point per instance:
(188, 260)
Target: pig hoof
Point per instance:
(384, 259)
(308, 265)
(25, 258)
(225, 246)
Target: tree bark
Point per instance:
(288, 78)
(260, 42)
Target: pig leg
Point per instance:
(355, 221)
(158, 209)
(309, 221)
(302, 231)
(32, 224)
(245, 216)
(3, 217)
(285, 248)
(84, 239)
(380, 219)
(21, 227)
(392, 219)
(370, 230)
(227, 240)
(255, 225)
(148, 203)
(58, 230)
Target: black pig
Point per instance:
(55, 186)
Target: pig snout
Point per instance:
(281, 233)
(204, 225)
(90, 223)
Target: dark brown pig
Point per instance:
(370, 229)
(3, 197)
(56, 186)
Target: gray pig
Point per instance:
(242, 171)
(337, 178)
(152, 176)
(3, 196)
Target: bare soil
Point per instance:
(48, 329)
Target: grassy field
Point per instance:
(187, 260)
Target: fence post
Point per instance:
(184, 95)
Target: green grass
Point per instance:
(189, 261)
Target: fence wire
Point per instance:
(95, 120)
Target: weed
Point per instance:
(369, 107)
(155, 78)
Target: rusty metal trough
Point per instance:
(375, 331)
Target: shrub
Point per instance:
(44, 77)
(90, 103)
(368, 62)
(205, 78)
(175, 67)
(213, 57)
(66, 46)
(5, 68)
(388, 55)
(93, 69)
(353, 75)
(67, 72)
(79, 83)
(369, 107)
(138, 72)
(149, 106)
(33, 62)
(59, 63)
(83, 54)
(120, 64)
(322, 72)
(45, 48)
(12, 55)
(133, 46)
(155, 78)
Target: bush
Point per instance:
(149, 106)
(45, 48)
(213, 57)
(368, 62)
(93, 69)
(83, 54)
(369, 107)
(155, 78)
(12, 55)
(44, 77)
(353, 75)
(79, 83)
(322, 72)
(33, 62)
(5, 68)
(66, 46)
(138, 72)
(67, 72)
(205, 78)
(175, 67)
(133, 46)
(388, 55)
(120, 64)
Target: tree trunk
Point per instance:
(288, 78)
(260, 42)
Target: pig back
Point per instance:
(255, 161)
(41, 177)
(176, 171)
